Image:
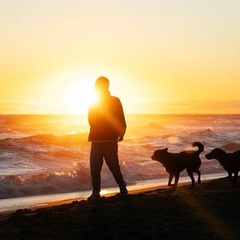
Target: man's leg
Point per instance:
(111, 157)
(96, 162)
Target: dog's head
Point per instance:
(159, 155)
(216, 153)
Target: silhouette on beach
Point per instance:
(229, 161)
(175, 163)
(107, 127)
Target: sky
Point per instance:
(176, 56)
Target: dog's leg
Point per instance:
(230, 177)
(170, 179)
(235, 179)
(176, 180)
(199, 176)
(190, 174)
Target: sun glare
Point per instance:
(78, 96)
(71, 91)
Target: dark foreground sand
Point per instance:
(210, 211)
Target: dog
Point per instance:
(175, 163)
(229, 161)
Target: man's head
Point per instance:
(102, 84)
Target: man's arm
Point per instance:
(121, 120)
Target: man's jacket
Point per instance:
(106, 119)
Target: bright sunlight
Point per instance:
(71, 90)
(78, 96)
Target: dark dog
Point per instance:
(175, 163)
(229, 161)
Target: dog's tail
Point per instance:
(200, 147)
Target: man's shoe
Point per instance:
(94, 196)
(123, 191)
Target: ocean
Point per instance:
(42, 156)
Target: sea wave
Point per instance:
(39, 156)
(77, 179)
(231, 147)
(42, 184)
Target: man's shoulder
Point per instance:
(114, 98)
(115, 101)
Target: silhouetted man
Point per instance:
(107, 127)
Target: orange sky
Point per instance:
(160, 56)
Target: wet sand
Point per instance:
(209, 211)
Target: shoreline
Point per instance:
(42, 201)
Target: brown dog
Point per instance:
(229, 161)
(175, 163)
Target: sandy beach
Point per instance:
(209, 211)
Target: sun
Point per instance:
(79, 95)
